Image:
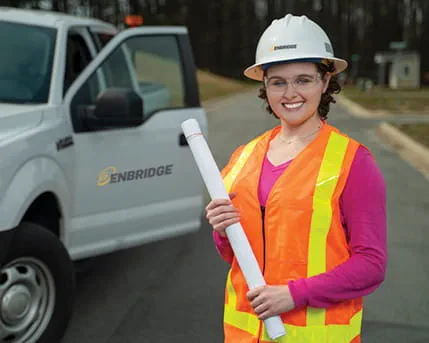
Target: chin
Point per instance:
(294, 119)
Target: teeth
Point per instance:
(296, 105)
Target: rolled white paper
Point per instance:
(235, 233)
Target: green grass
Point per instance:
(214, 86)
(388, 100)
(419, 132)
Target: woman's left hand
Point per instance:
(268, 301)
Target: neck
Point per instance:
(290, 131)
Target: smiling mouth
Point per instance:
(293, 106)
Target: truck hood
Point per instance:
(15, 119)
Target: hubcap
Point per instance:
(27, 299)
(16, 303)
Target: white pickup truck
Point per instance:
(92, 157)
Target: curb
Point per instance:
(408, 148)
(358, 110)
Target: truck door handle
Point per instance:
(182, 140)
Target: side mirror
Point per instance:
(116, 108)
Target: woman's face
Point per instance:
(294, 91)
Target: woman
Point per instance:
(310, 199)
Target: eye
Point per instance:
(278, 83)
(303, 80)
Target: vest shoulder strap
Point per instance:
(241, 161)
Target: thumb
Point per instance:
(232, 195)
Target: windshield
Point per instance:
(26, 55)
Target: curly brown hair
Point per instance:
(333, 88)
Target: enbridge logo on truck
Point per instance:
(110, 174)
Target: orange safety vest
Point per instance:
(299, 236)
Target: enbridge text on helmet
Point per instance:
(282, 47)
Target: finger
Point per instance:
(265, 315)
(218, 218)
(260, 309)
(220, 228)
(222, 213)
(254, 292)
(256, 302)
(218, 202)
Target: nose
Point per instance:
(289, 92)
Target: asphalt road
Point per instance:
(172, 291)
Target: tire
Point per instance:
(37, 287)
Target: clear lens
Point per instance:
(299, 83)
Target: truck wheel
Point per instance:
(36, 287)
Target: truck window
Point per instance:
(117, 72)
(158, 65)
(149, 64)
(78, 57)
(26, 59)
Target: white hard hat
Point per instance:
(293, 39)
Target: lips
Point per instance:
(292, 106)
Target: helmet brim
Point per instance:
(256, 73)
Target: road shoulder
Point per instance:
(408, 148)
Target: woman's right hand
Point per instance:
(221, 213)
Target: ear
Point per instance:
(326, 80)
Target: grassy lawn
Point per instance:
(419, 132)
(388, 100)
(213, 86)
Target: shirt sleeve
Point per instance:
(363, 207)
(223, 247)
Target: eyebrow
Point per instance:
(280, 77)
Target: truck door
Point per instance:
(136, 184)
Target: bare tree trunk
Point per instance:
(135, 7)
(55, 5)
(271, 11)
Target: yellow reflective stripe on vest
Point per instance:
(322, 214)
(235, 170)
(242, 320)
(320, 334)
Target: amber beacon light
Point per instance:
(134, 20)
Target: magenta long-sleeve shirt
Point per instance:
(363, 214)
